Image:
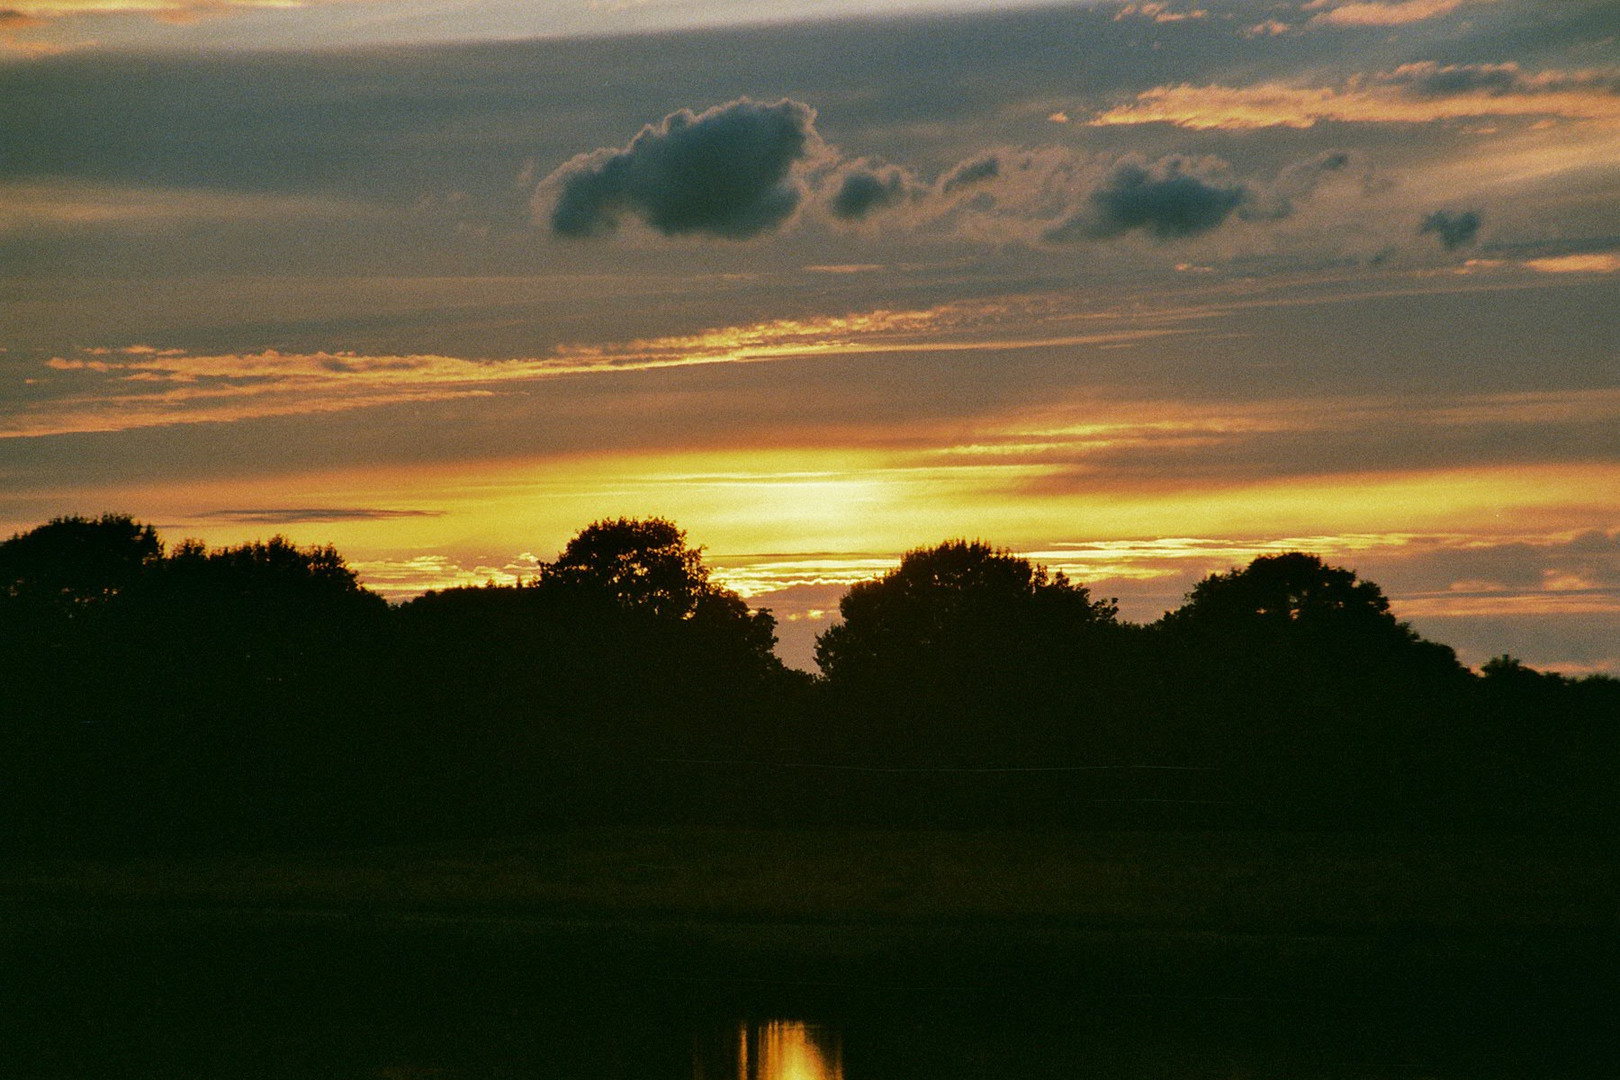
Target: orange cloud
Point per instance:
(22, 18)
(1576, 264)
(1269, 28)
(1159, 12)
(166, 9)
(1370, 13)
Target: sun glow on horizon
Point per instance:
(794, 529)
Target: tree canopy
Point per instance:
(1297, 609)
(71, 563)
(964, 651)
(952, 601)
(636, 564)
(1294, 590)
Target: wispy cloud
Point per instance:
(310, 515)
(104, 389)
(88, 206)
(1075, 432)
(1356, 14)
(757, 575)
(1582, 263)
(1417, 93)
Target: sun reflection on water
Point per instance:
(776, 1050)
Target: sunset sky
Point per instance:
(1140, 289)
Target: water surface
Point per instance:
(239, 1000)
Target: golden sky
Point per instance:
(1140, 289)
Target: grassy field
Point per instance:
(1219, 881)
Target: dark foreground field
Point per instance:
(635, 954)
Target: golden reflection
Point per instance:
(774, 1050)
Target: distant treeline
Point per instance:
(259, 695)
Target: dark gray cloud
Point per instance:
(1455, 230)
(967, 173)
(865, 189)
(1432, 79)
(727, 172)
(1173, 198)
(303, 515)
(1443, 80)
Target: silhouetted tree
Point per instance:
(636, 564)
(641, 578)
(1548, 745)
(1508, 674)
(575, 690)
(268, 614)
(1295, 611)
(1296, 675)
(260, 693)
(57, 583)
(208, 695)
(965, 650)
(73, 563)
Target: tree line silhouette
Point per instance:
(259, 695)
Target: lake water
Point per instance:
(346, 1003)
